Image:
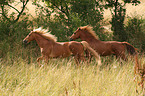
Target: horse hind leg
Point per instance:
(123, 57)
(46, 58)
(88, 55)
(78, 52)
(79, 57)
(76, 60)
(120, 54)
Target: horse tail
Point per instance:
(132, 51)
(130, 48)
(88, 47)
(137, 65)
(139, 70)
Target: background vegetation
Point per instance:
(19, 73)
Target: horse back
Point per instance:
(73, 47)
(105, 48)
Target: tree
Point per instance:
(118, 14)
(89, 11)
(7, 3)
(71, 14)
(86, 10)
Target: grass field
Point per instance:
(20, 74)
(61, 77)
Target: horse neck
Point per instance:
(41, 41)
(89, 38)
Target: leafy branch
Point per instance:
(4, 3)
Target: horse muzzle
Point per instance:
(71, 39)
(25, 42)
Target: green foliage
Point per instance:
(66, 19)
(118, 15)
(118, 24)
(136, 32)
(5, 4)
(90, 12)
(12, 35)
(134, 2)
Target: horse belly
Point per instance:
(104, 51)
(66, 53)
(60, 53)
(111, 48)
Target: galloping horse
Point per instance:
(50, 48)
(104, 48)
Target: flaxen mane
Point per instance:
(45, 34)
(89, 29)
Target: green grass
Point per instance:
(61, 77)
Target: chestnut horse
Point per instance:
(104, 48)
(50, 48)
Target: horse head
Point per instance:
(29, 37)
(76, 34)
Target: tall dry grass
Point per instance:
(61, 77)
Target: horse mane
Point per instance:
(45, 34)
(89, 29)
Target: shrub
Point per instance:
(12, 36)
(136, 32)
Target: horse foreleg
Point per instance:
(38, 59)
(46, 59)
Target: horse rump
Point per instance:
(130, 48)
